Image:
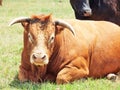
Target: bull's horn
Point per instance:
(19, 20)
(65, 24)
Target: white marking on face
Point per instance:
(31, 60)
(40, 50)
(46, 60)
(30, 38)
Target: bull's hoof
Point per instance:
(62, 79)
(112, 77)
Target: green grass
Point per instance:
(11, 44)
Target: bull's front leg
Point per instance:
(23, 74)
(32, 73)
(77, 69)
(26, 69)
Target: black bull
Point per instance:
(108, 10)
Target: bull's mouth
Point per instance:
(39, 62)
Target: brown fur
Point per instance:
(93, 52)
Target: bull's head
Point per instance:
(40, 31)
(81, 8)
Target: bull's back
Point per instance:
(90, 28)
(93, 32)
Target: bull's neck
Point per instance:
(59, 50)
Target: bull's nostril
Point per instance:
(34, 56)
(87, 13)
(43, 57)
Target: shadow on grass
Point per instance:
(44, 85)
(25, 85)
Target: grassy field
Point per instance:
(11, 44)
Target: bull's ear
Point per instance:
(25, 24)
(65, 25)
(58, 29)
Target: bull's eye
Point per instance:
(30, 38)
(51, 39)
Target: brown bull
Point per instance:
(62, 52)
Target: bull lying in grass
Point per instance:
(64, 51)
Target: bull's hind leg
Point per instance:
(77, 69)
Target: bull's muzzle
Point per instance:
(39, 59)
(87, 13)
(86, 10)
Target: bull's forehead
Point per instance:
(40, 29)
